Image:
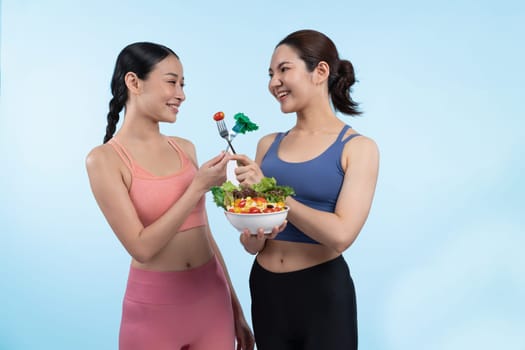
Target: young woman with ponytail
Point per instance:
(303, 296)
(151, 191)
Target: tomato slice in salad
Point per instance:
(266, 195)
(255, 205)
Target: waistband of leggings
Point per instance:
(173, 287)
(319, 267)
(163, 278)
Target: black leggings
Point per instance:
(310, 309)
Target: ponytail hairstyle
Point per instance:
(139, 58)
(314, 47)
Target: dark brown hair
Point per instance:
(139, 58)
(313, 47)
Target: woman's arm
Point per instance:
(106, 178)
(336, 230)
(339, 230)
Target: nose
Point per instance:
(274, 82)
(181, 96)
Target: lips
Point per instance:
(174, 107)
(280, 95)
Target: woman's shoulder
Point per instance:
(358, 139)
(180, 140)
(186, 144)
(264, 145)
(187, 147)
(99, 155)
(102, 159)
(360, 146)
(266, 141)
(269, 137)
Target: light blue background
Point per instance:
(439, 264)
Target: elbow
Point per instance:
(140, 249)
(142, 259)
(342, 244)
(141, 255)
(340, 248)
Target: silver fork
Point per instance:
(225, 134)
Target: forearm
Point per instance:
(329, 229)
(153, 238)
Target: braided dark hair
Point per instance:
(139, 58)
(313, 47)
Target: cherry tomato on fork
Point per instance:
(218, 116)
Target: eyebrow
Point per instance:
(172, 74)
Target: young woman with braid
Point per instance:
(152, 193)
(303, 296)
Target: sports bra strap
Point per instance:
(183, 157)
(342, 135)
(176, 146)
(123, 154)
(350, 137)
(343, 132)
(280, 136)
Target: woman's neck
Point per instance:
(317, 120)
(139, 128)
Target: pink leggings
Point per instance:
(188, 309)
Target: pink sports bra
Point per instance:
(153, 195)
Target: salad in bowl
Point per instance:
(260, 205)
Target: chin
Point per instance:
(287, 107)
(287, 110)
(168, 120)
(172, 118)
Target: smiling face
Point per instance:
(290, 82)
(161, 93)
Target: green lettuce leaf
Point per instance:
(223, 195)
(243, 124)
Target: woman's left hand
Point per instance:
(244, 335)
(254, 243)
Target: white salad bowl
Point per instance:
(253, 222)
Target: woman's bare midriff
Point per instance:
(186, 250)
(284, 256)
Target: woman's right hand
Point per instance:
(212, 172)
(248, 171)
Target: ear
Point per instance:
(322, 72)
(133, 83)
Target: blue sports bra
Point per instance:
(317, 182)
